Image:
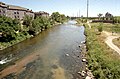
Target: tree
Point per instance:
(39, 24)
(108, 16)
(56, 17)
(99, 15)
(63, 18)
(27, 21)
(116, 19)
(16, 26)
(8, 27)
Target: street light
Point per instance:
(87, 7)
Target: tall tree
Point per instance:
(57, 17)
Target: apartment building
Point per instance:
(41, 13)
(15, 12)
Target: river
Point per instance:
(53, 54)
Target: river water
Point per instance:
(53, 54)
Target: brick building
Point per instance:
(15, 12)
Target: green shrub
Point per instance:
(103, 66)
(100, 27)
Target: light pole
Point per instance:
(87, 7)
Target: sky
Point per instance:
(70, 7)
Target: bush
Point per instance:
(100, 60)
(12, 32)
(100, 27)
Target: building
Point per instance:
(41, 13)
(15, 12)
(3, 9)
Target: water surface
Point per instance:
(57, 53)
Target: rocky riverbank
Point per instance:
(85, 73)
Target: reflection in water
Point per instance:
(56, 53)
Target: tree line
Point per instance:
(15, 30)
(107, 18)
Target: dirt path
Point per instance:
(88, 22)
(108, 41)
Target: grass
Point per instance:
(117, 42)
(108, 27)
(104, 62)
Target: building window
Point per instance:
(24, 13)
(15, 17)
(17, 12)
(14, 12)
(3, 11)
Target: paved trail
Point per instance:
(109, 42)
(109, 39)
(88, 22)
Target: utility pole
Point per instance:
(79, 13)
(87, 7)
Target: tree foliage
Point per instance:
(13, 30)
(100, 15)
(27, 21)
(100, 27)
(108, 16)
(116, 19)
(58, 18)
(41, 23)
(8, 28)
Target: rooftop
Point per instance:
(17, 7)
(41, 12)
(14, 7)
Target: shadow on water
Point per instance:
(57, 50)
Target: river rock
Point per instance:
(78, 56)
(84, 60)
(83, 42)
(84, 46)
(90, 74)
(2, 62)
(88, 77)
(79, 46)
(79, 72)
(67, 54)
(82, 73)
